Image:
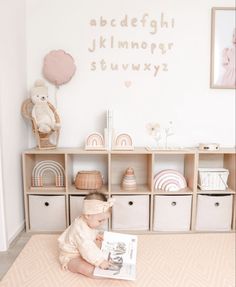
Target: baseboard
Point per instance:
(16, 234)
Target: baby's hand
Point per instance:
(105, 264)
(99, 237)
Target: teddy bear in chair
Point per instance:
(43, 115)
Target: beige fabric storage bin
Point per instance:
(47, 213)
(130, 212)
(214, 213)
(172, 213)
(76, 206)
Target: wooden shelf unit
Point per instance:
(112, 164)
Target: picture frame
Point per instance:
(223, 45)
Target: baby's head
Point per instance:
(96, 209)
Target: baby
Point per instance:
(80, 243)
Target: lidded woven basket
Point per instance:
(88, 180)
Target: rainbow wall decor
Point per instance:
(123, 142)
(48, 165)
(95, 141)
(169, 180)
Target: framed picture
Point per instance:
(223, 44)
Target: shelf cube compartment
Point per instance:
(44, 171)
(130, 212)
(47, 213)
(222, 161)
(87, 162)
(181, 162)
(140, 163)
(172, 213)
(214, 212)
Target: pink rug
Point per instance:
(164, 260)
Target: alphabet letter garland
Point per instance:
(151, 45)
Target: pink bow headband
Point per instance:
(94, 206)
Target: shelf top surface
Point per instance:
(137, 150)
(74, 150)
(220, 151)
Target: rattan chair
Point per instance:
(43, 140)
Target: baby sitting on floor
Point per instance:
(80, 243)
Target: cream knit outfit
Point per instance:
(79, 240)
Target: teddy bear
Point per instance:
(41, 111)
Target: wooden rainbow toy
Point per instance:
(95, 141)
(48, 165)
(123, 141)
(169, 180)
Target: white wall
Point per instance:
(182, 94)
(14, 132)
(3, 235)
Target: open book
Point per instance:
(121, 250)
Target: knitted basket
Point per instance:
(88, 180)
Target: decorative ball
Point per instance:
(59, 67)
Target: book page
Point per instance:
(121, 250)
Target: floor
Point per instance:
(163, 260)
(8, 257)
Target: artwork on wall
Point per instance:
(139, 35)
(128, 84)
(223, 44)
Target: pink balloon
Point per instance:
(59, 67)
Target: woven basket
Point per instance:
(88, 180)
(213, 178)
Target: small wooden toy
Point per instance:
(47, 166)
(129, 180)
(95, 141)
(169, 180)
(123, 141)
